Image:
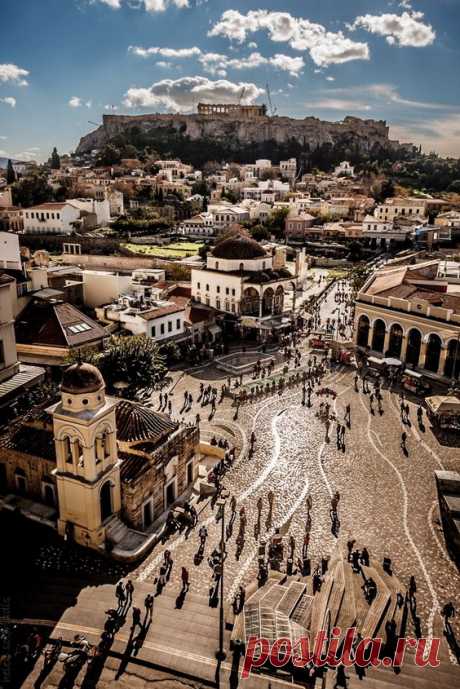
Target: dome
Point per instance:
(136, 422)
(81, 378)
(238, 247)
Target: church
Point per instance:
(100, 470)
(248, 284)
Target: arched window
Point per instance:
(378, 337)
(363, 331)
(452, 367)
(106, 500)
(67, 449)
(433, 353)
(241, 267)
(395, 342)
(414, 341)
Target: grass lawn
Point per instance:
(173, 250)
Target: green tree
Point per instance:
(259, 232)
(276, 223)
(110, 155)
(10, 173)
(55, 160)
(31, 191)
(200, 187)
(135, 360)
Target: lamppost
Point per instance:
(220, 653)
(454, 378)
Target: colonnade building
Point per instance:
(409, 313)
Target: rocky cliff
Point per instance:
(308, 134)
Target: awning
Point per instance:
(214, 329)
(27, 376)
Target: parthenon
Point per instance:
(223, 109)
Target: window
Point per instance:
(67, 450)
(169, 326)
(153, 331)
(207, 288)
(58, 215)
(198, 286)
(79, 328)
(227, 291)
(218, 304)
(178, 324)
(218, 289)
(233, 292)
(217, 265)
(162, 328)
(2, 354)
(233, 308)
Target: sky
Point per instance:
(64, 63)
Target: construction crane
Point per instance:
(271, 108)
(95, 123)
(243, 91)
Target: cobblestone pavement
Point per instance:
(387, 503)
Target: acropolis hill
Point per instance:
(236, 127)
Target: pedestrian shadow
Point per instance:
(180, 600)
(452, 641)
(128, 652)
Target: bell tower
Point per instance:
(87, 465)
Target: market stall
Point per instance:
(444, 411)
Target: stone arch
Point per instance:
(378, 335)
(414, 344)
(70, 432)
(395, 340)
(250, 302)
(433, 353)
(279, 299)
(452, 365)
(105, 500)
(268, 301)
(362, 338)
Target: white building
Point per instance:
(406, 207)
(10, 255)
(344, 169)
(201, 225)
(100, 208)
(288, 168)
(240, 280)
(51, 218)
(268, 191)
(224, 215)
(161, 320)
(105, 287)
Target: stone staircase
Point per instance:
(116, 530)
(285, 607)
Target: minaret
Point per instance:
(87, 465)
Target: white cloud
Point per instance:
(330, 78)
(390, 94)
(406, 29)
(13, 73)
(163, 64)
(3, 138)
(9, 100)
(89, 104)
(218, 64)
(325, 47)
(441, 134)
(165, 52)
(252, 45)
(183, 95)
(149, 5)
(111, 107)
(115, 4)
(3, 153)
(346, 105)
(75, 102)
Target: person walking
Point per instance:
(136, 618)
(120, 594)
(129, 591)
(185, 580)
(403, 442)
(148, 604)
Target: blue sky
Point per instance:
(66, 62)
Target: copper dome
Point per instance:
(81, 378)
(238, 246)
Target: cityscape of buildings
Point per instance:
(230, 372)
